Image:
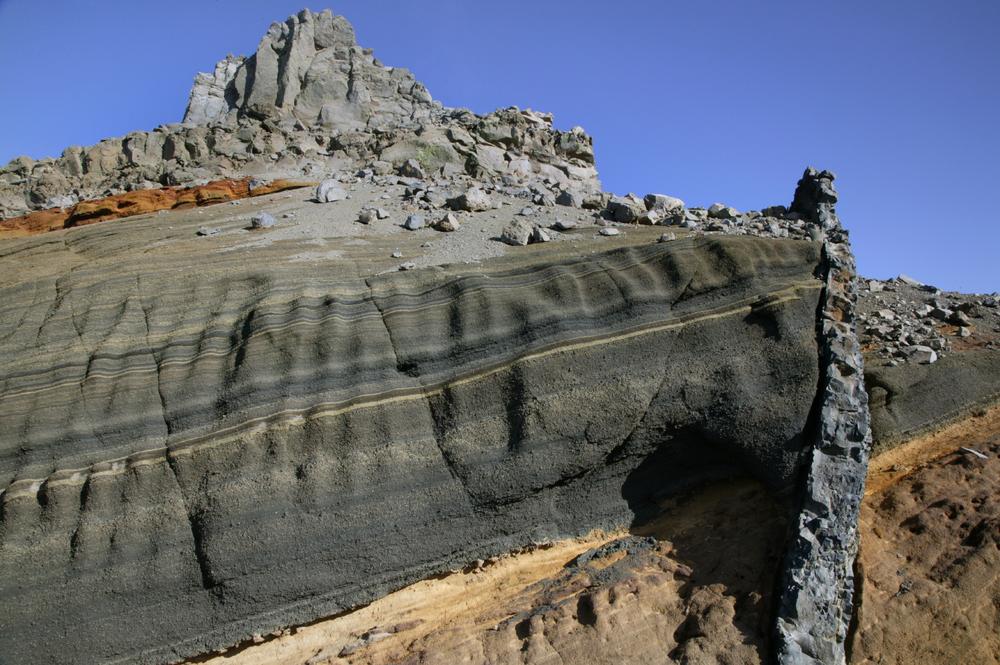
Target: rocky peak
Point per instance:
(309, 103)
(309, 68)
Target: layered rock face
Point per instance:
(309, 101)
(212, 433)
(207, 455)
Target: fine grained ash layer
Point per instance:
(256, 446)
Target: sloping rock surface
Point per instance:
(193, 455)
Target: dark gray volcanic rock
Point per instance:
(193, 457)
(910, 400)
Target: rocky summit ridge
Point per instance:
(422, 381)
(309, 101)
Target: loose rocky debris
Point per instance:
(902, 320)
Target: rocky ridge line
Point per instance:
(310, 101)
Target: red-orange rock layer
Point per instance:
(141, 202)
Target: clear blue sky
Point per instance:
(708, 101)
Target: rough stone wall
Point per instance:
(814, 610)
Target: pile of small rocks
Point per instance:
(902, 320)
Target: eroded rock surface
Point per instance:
(693, 585)
(258, 440)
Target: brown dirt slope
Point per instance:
(930, 563)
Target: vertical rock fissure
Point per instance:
(817, 581)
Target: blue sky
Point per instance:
(708, 101)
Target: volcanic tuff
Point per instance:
(225, 421)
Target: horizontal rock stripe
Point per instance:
(194, 456)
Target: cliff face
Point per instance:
(243, 449)
(212, 427)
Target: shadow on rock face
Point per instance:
(677, 465)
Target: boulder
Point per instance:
(411, 169)
(719, 211)
(627, 209)
(448, 223)
(472, 200)
(518, 232)
(649, 217)
(570, 197)
(414, 222)
(920, 354)
(663, 203)
(329, 191)
(263, 220)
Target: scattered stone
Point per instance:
(411, 168)
(540, 235)
(448, 223)
(525, 212)
(397, 255)
(964, 332)
(667, 237)
(941, 314)
(414, 222)
(382, 214)
(570, 197)
(563, 225)
(367, 216)
(205, 231)
(263, 220)
(329, 191)
(518, 232)
(409, 265)
(923, 355)
(610, 231)
(472, 200)
(650, 217)
(887, 314)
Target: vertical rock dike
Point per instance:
(817, 588)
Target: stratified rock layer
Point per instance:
(197, 448)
